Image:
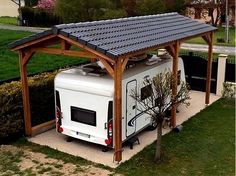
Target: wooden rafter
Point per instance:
(46, 43)
(33, 42)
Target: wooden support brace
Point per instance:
(118, 109)
(124, 63)
(171, 50)
(207, 38)
(209, 68)
(108, 67)
(65, 45)
(27, 56)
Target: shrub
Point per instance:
(83, 10)
(149, 7)
(112, 14)
(38, 17)
(46, 4)
(42, 104)
(229, 90)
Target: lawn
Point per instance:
(8, 20)
(206, 146)
(9, 67)
(230, 59)
(219, 34)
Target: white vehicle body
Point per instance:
(85, 102)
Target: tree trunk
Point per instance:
(158, 143)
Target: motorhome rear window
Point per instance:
(146, 92)
(83, 116)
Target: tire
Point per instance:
(152, 126)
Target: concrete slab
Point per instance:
(93, 152)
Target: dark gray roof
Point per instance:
(121, 36)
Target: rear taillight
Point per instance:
(58, 113)
(109, 140)
(58, 120)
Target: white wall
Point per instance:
(9, 8)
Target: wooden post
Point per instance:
(118, 109)
(25, 91)
(174, 83)
(209, 67)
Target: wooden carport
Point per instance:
(113, 42)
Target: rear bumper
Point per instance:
(84, 136)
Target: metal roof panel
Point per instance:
(122, 36)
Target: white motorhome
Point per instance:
(85, 96)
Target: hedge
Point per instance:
(41, 88)
(38, 17)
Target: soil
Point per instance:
(39, 164)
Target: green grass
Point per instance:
(9, 162)
(219, 34)
(206, 146)
(9, 67)
(230, 59)
(50, 153)
(8, 20)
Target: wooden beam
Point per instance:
(29, 44)
(64, 52)
(118, 109)
(49, 42)
(43, 127)
(93, 59)
(25, 93)
(174, 83)
(108, 67)
(209, 68)
(97, 54)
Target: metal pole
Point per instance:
(226, 22)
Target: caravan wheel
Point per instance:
(153, 126)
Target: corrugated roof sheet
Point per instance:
(121, 36)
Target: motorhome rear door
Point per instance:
(130, 108)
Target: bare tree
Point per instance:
(212, 8)
(17, 2)
(157, 100)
